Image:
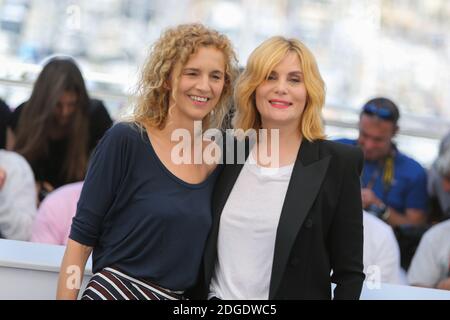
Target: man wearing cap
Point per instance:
(394, 186)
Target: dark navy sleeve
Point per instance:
(106, 170)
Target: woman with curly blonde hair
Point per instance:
(143, 214)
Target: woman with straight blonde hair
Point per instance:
(286, 229)
(144, 215)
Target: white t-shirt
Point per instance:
(248, 226)
(381, 252)
(431, 262)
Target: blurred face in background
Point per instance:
(375, 137)
(66, 108)
(446, 184)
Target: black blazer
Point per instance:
(320, 227)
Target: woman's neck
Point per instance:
(282, 145)
(176, 132)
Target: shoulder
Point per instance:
(96, 104)
(409, 165)
(439, 233)
(68, 193)
(97, 107)
(123, 131)
(16, 166)
(340, 150)
(122, 137)
(18, 110)
(12, 160)
(71, 190)
(344, 157)
(99, 115)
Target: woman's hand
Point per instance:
(444, 284)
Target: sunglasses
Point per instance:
(381, 112)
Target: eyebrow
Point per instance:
(296, 73)
(197, 70)
(292, 73)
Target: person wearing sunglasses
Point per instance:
(394, 186)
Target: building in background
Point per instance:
(365, 48)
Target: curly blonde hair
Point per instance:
(259, 66)
(172, 49)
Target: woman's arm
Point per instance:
(72, 270)
(346, 238)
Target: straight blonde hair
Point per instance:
(260, 64)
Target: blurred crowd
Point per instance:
(46, 143)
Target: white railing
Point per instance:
(29, 271)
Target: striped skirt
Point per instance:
(112, 284)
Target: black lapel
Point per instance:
(307, 176)
(224, 185)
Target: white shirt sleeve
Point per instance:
(424, 269)
(381, 250)
(17, 197)
(389, 258)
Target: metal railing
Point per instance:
(418, 136)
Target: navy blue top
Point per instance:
(138, 216)
(409, 188)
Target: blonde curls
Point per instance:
(259, 65)
(172, 49)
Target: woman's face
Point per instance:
(446, 184)
(281, 98)
(200, 85)
(66, 107)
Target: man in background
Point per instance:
(394, 186)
